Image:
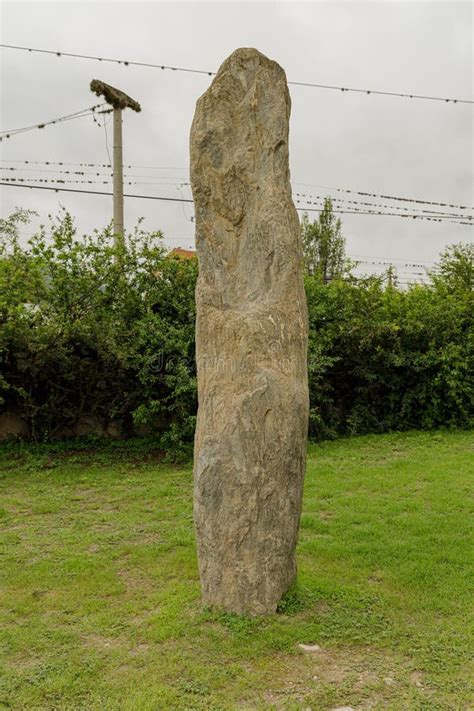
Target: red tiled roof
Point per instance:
(182, 253)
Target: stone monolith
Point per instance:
(251, 339)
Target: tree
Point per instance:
(324, 247)
(391, 277)
(456, 268)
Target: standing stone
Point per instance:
(251, 340)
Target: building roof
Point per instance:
(182, 253)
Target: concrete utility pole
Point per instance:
(119, 101)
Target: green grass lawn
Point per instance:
(99, 593)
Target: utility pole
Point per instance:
(119, 101)
(118, 173)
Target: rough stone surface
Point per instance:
(251, 340)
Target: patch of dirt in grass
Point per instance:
(321, 607)
(139, 650)
(21, 664)
(135, 581)
(104, 527)
(110, 644)
(416, 678)
(143, 616)
(331, 678)
(326, 515)
(366, 677)
(143, 537)
(375, 579)
(84, 494)
(105, 507)
(97, 641)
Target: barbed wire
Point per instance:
(64, 181)
(171, 199)
(160, 180)
(412, 216)
(388, 262)
(93, 192)
(314, 185)
(91, 165)
(384, 206)
(388, 197)
(343, 89)
(157, 180)
(69, 117)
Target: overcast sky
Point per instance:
(420, 149)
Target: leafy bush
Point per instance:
(102, 335)
(94, 333)
(382, 359)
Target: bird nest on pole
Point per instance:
(116, 98)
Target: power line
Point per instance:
(64, 181)
(62, 118)
(170, 199)
(9, 134)
(382, 277)
(314, 185)
(387, 262)
(443, 215)
(93, 192)
(107, 145)
(85, 181)
(68, 180)
(51, 170)
(157, 180)
(69, 117)
(302, 195)
(386, 197)
(393, 260)
(439, 213)
(91, 165)
(412, 216)
(389, 197)
(128, 62)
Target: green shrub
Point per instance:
(93, 331)
(382, 359)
